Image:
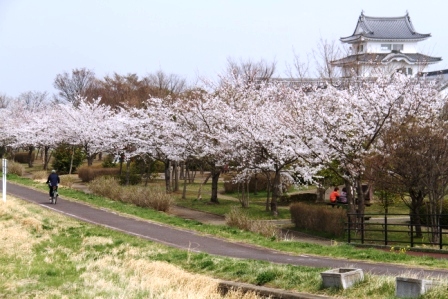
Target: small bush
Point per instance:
(265, 277)
(301, 197)
(87, 174)
(68, 180)
(40, 175)
(23, 157)
(146, 197)
(318, 218)
(237, 218)
(159, 166)
(134, 179)
(109, 161)
(443, 219)
(15, 168)
(107, 187)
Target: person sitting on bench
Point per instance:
(334, 196)
(343, 196)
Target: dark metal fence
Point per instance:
(390, 229)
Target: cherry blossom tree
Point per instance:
(261, 142)
(346, 125)
(88, 125)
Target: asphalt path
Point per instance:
(192, 241)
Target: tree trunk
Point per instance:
(30, 156)
(167, 176)
(181, 170)
(215, 177)
(268, 191)
(184, 191)
(320, 192)
(71, 160)
(203, 183)
(276, 192)
(121, 164)
(46, 157)
(90, 160)
(255, 184)
(175, 176)
(128, 171)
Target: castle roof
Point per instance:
(385, 58)
(384, 29)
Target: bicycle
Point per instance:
(55, 195)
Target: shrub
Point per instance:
(443, 219)
(237, 218)
(68, 180)
(109, 161)
(63, 158)
(15, 168)
(318, 218)
(134, 179)
(301, 197)
(158, 166)
(87, 174)
(23, 157)
(40, 175)
(146, 197)
(104, 186)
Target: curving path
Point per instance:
(192, 241)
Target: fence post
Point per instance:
(385, 230)
(412, 233)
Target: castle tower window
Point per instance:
(397, 47)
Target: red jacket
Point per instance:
(334, 196)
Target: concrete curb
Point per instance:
(226, 286)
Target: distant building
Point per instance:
(386, 43)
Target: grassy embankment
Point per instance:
(48, 255)
(287, 277)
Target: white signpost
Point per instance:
(4, 171)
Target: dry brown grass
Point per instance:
(152, 196)
(68, 180)
(41, 175)
(15, 168)
(318, 218)
(124, 272)
(241, 220)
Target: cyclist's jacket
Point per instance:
(53, 179)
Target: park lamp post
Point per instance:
(4, 171)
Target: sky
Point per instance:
(42, 38)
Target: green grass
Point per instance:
(341, 251)
(65, 257)
(256, 209)
(86, 261)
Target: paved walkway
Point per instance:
(190, 240)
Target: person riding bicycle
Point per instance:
(53, 181)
